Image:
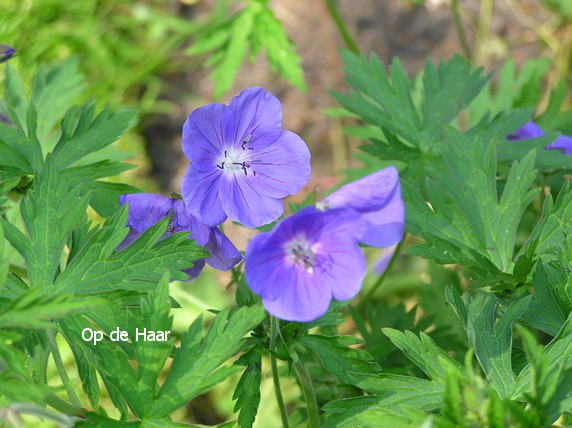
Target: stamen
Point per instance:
(236, 160)
(246, 141)
(300, 252)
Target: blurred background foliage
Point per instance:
(167, 57)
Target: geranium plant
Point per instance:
(477, 198)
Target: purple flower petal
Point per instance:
(146, 209)
(377, 197)
(302, 299)
(6, 52)
(206, 133)
(367, 194)
(528, 131)
(241, 162)
(256, 113)
(223, 255)
(305, 261)
(532, 130)
(564, 143)
(200, 191)
(243, 204)
(385, 226)
(284, 168)
(184, 221)
(196, 270)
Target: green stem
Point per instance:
(460, 29)
(63, 406)
(348, 40)
(309, 394)
(61, 369)
(274, 327)
(483, 29)
(380, 280)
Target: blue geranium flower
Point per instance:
(241, 161)
(6, 52)
(146, 209)
(377, 198)
(305, 261)
(532, 130)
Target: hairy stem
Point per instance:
(348, 40)
(380, 280)
(309, 394)
(460, 29)
(61, 369)
(274, 326)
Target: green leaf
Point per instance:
(412, 129)
(550, 386)
(112, 362)
(553, 226)
(543, 312)
(83, 135)
(196, 364)
(466, 215)
(267, 31)
(556, 355)
(492, 343)
(56, 88)
(93, 171)
(391, 391)
(422, 351)
(15, 97)
(348, 364)
(25, 153)
(152, 355)
(247, 391)
(36, 310)
(104, 196)
(229, 59)
(399, 401)
(228, 40)
(47, 225)
(512, 89)
(98, 266)
(4, 261)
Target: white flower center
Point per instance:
(299, 251)
(233, 161)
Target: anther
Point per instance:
(246, 141)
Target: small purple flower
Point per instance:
(6, 52)
(146, 209)
(532, 130)
(377, 197)
(305, 261)
(241, 161)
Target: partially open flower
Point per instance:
(305, 261)
(532, 130)
(377, 197)
(146, 209)
(241, 161)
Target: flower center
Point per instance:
(237, 160)
(300, 252)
